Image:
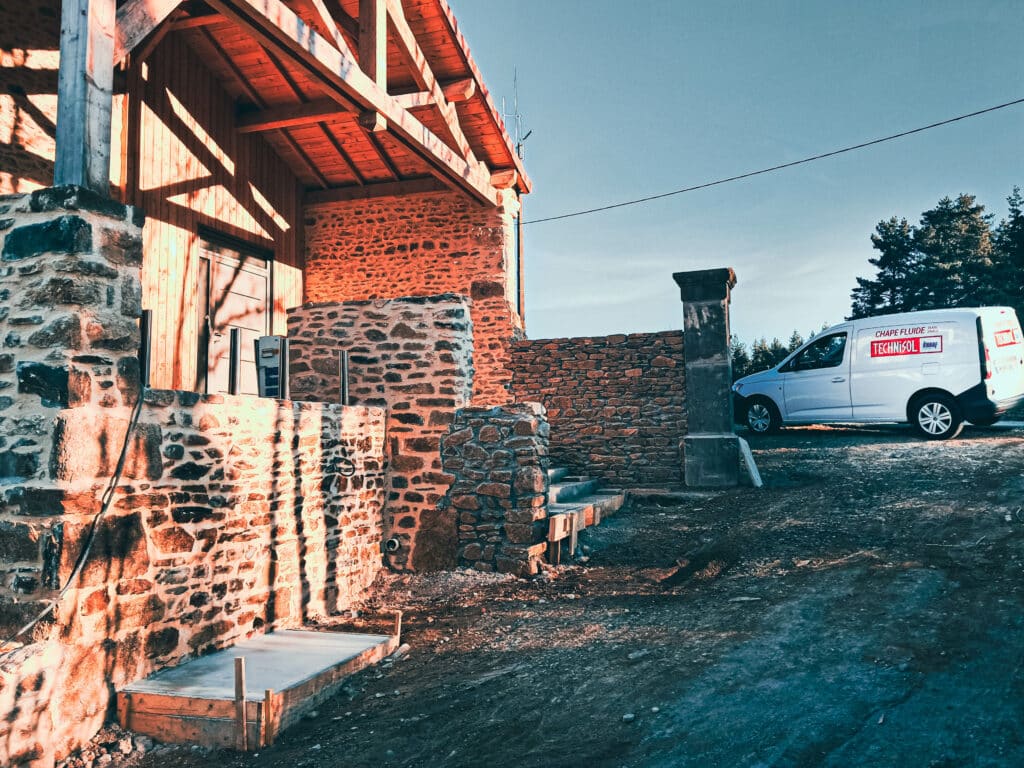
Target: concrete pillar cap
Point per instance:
(705, 284)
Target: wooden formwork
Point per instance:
(243, 696)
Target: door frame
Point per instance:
(208, 241)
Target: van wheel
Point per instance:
(936, 416)
(762, 417)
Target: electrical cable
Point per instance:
(106, 499)
(779, 167)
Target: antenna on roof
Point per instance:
(516, 118)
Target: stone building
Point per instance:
(334, 171)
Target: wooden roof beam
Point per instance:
(424, 77)
(340, 77)
(384, 189)
(320, 111)
(135, 20)
(455, 91)
(193, 22)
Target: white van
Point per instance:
(934, 369)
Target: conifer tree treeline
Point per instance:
(954, 257)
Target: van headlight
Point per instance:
(737, 388)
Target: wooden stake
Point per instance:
(268, 717)
(240, 725)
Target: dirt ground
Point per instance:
(864, 609)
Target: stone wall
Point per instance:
(499, 459)
(233, 515)
(616, 403)
(423, 245)
(414, 357)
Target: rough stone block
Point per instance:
(66, 234)
(49, 382)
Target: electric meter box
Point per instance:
(272, 366)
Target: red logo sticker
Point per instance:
(1007, 338)
(915, 345)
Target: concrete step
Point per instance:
(567, 519)
(557, 473)
(571, 488)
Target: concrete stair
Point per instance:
(575, 503)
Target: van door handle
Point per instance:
(838, 379)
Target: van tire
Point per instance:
(761, 416)
(936, 416)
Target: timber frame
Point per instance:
(333, 59)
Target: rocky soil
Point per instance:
(865, 608)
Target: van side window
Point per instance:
(826, 352)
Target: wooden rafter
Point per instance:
(385, 158)
(309, 165)
(292, 116)
(424, 77)
(236, 73)
(333, 141)
(340, 77)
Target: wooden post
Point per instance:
(85, 87)
(240, 724)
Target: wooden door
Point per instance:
(237, 291)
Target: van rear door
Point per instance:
(1002, 353)
(816, 381)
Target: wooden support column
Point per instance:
(85, 89)
(373, 40)
(373, 55)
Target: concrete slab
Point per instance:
(287, 673)
(278, 661)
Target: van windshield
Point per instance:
(826, 352)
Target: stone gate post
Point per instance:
(710, 449)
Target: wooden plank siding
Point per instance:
(191, 170)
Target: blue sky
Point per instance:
(627, 100)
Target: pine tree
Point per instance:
(740, 358)
(1008, 255)
(778, 352)
(899, 266)
(795, 340)
(760, 355)
(954, 240)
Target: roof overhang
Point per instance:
(353, 93)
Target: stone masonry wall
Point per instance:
(616, 403)
(414, 357)
(423, 245)
(233, 515)
(499, 458)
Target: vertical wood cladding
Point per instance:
(188, 168)
(616, 404)
(423, 245)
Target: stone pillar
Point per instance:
(499, 459)
(710, 449)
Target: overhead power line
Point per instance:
(773, 168)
